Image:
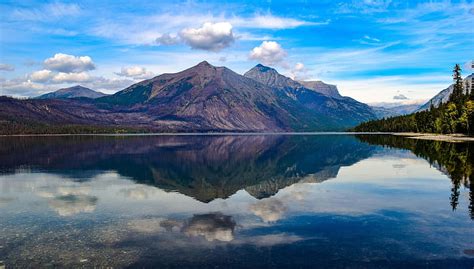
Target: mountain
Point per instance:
(72, 92)
(384, 110)
(208, 98)
(343, 110)
(203, 98)
(442, 96)
(323, 88)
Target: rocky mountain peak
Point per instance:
(270, 77)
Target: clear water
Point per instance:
(251, 201)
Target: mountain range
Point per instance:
(203, 98)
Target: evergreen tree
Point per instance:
(458, 90)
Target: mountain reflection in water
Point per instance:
(202, 167)
(235, 201)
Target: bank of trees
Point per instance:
(14, 128)
(454, 116)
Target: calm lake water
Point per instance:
(251, 201)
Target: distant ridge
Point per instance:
(72, 92)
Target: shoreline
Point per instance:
(202, 134)
(437, 137)
(420, 136)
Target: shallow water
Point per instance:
(251, 201)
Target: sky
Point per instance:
(373, 50)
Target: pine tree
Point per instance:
(458, 90)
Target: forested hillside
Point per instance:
(454, 116)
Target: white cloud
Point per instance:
(41, 75)
(269, 53)
(21, 88)
(211, 36)
(69, 63)
(47, 12)
(364, 7)
(71, 77)
(212, 227)
(154, 29)
(269, 21)
(400, 97)
(369, 40)
(167, 40)
(269, 210)
(299, 72)
(69, 200)
(135, 72)
(108, 85)
(6, 67)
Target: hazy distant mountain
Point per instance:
(72, 92)
(384, 110)
(442, 96)
(200, 99)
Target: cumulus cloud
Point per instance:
(269, 210)
(69, 63)
(6, 67)
(69, 205)
(69, 200)
(135, 72)
(71, 77)
(108, 85)
(400, 97)
(211, 36)
(299, 72)
(65, 69)
(22, 88)
(41, 75)
(138, 193)
(269, 53)
(214, 226)
(167, 40)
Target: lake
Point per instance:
(242, 201)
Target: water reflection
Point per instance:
(215, 226)
(456, 160)
(202, 167)
(228, 201)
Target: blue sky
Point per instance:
(375, 51)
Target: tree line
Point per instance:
(454, 116)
